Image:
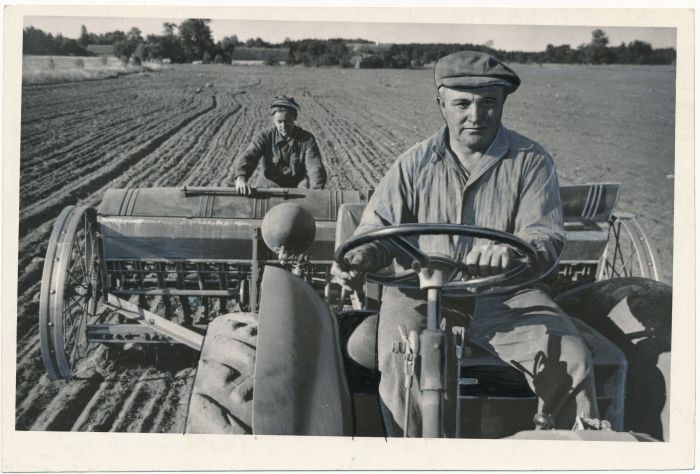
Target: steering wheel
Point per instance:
(438, 271)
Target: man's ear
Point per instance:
(438, 99)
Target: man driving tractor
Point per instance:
(289, 153)
(474, 171)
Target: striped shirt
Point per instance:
(513, 187)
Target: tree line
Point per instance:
(189, 41)
(192, 40)
(411, 55)
(36, 41)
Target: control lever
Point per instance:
(409, 347)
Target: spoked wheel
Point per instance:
(70, 290)
(628, 252)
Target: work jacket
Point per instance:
(284, 162)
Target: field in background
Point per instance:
(187, 124)
(51, 69)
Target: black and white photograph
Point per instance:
(354, 227)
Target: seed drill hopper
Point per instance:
(153, 265)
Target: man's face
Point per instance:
(284, 122)
(472, 116)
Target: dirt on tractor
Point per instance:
(185, 125)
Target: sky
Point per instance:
(504, 37)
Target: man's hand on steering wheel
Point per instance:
(350, 272)
(489, 259)
(503, 267)
(482, 260)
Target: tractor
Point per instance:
(245, 281)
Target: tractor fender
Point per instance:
(300, 384)
(635, 315)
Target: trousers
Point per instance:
(525, 329)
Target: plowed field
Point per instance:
(186, 124)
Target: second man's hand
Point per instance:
(242, 186)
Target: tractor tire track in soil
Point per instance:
(186, 124)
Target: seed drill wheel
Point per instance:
(629, 252)
(70, 290)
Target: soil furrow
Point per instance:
(107, 174)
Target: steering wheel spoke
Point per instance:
(409, 249)
(396, 279)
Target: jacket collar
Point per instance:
(497, 149)
(279, 140)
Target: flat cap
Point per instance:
(471, 69)
(287, 102)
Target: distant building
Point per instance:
(369, 48)
(367, 61)
(247, 62)
(256, 62)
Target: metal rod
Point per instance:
(124, 333)
(432, 384)
(159, 274)
(194, 190)
(254, 271)
(430, 406)
(158, 323)
(174, 292)
(200, 278)
(458, 336)
(434, 304)
(235, 261)
(406, 408)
